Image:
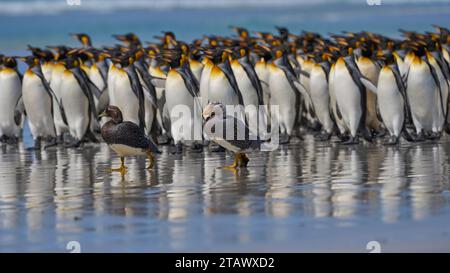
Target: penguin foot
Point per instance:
(37, 145)
(73, 144)
(52, 143)
(434, 135)
(60, 139)
(213, 147)
(12, 140)
(323, 136)
(447, 128)
(177, 148)
(163, 140)
(418, 137)
(196, 147)
(392, 140)
(284, 139)
(380, 133)
(352, 140)
(3, 139)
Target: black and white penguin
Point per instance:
(392, 100)
(127, 91)
(423, 90)
(251, 89)
(350, 95)
(11, 92)
(77, 98)
(183, 105)
(59, 116)
(285, 90)
(223, 87)
(320, 96)
(38, 101)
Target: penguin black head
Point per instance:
(129, 39)
(242, 32)
(31, 61)
(9, 62)
(84, 39)
(114, 113)
(284, 33)
(386, 57)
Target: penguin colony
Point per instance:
(351, 85)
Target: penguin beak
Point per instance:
(103, 114)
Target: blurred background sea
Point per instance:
(48, 22)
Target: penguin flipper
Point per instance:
(304, 73)
(148, 87)
(188, 81)
(226, 69)
(369, 85)
(158, 82)
(256, 83)
(38, 72)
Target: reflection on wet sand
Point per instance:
(47, 193)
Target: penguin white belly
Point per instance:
(421, 91)
(281, 94)
(161, 114)
(111, 78)
(10, 91)
(333, 103)
(38, 105)
(184, 118)
(348, 98)
(76, 106)
(249, 96)
(204, 84)
(370, 71)
(305, 81)
(220, 89)
(320, 97)
(390, 102)
(196, 68)
(97, 80)
(125, 150)
(55, 85)
(124, 97)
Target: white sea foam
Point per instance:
(57, 6)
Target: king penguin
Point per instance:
(285, 92)
(10, 90)
(422, 89)
(318, 84)
(38, 101)
(251, 90)
(350, 95)
(77, 97)
(392, 100)
(181, 90)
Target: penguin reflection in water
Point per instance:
(216, 124)
(126, 138)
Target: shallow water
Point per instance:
(307, 196)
